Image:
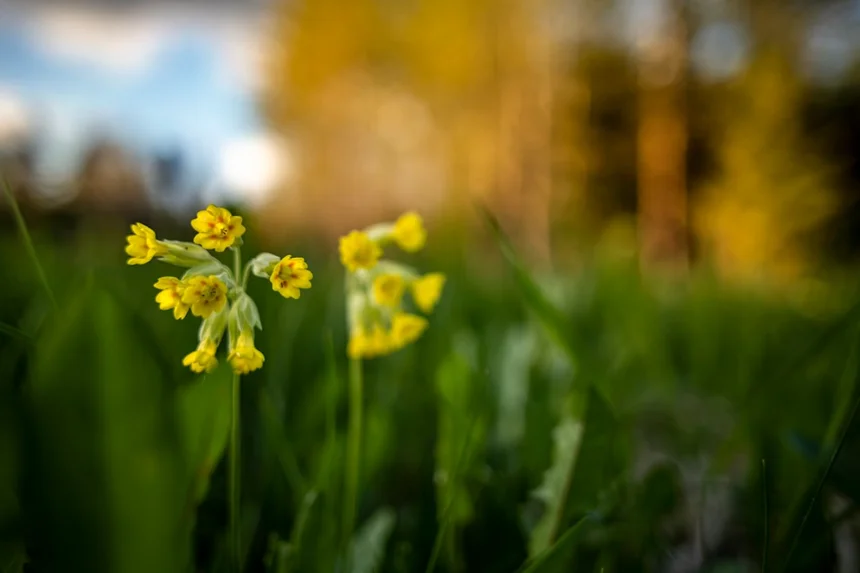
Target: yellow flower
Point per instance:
(203, 359)
(171, 296)
(358, 251)
(205, 295)
(143, 246)
(364, 344)
(289, 275)
(245, 357)
(388, 289)
(426, 291)
(357, 343)
(217, 228)
(409, 233)
(406, 328)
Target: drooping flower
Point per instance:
(409, 233)
(426, 291)
(142, 245)
(203, 359)
(217, 228)
(289, 275)
(170, 296)
(364, 343)
(244, 357)
(205, 295)
(406, 328)
(359, 251)
(388, 289)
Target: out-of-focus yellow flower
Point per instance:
(406, 328)
(359, 251)
(426, 291)
(217, 228)
(388, 289)
(143, 246)
(409, 233)
(204, 295)
(289, 275)
(203, 359)
(245, 357)
(369, 344)
(171, 296)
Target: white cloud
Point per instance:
(253, 166)
(128, 41)
(125, 42)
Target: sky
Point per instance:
(156, 77)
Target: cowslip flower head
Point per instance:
(377, 321)
(170, 296)
(426, 291)
(289, 275)
(217, 228)
(359, 251)
(211, 290)
(406, 328)
(204, 295)
(142, 245)
(409, 233)
(388, 289)
(203, 359)
(244, 357)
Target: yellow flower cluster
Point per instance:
(378, 323)
(211, 291)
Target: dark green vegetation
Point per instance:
(594, 423)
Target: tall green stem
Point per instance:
(353, 459)
(235, 436)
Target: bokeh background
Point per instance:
(662, 336)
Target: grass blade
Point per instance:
(821, 481)
(28, 242)
(14, 332)
(546, 312)
(555, 559)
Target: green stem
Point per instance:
(235, 538)
(353, 460)
(235, 436)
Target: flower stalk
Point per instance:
(211, 290)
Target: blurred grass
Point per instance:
(111, 453)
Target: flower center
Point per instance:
(221, 229)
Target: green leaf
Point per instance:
(368, 546)
(585, 461)
(557, 558)
(203, 413)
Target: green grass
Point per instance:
(541, 423)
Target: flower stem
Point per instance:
(235, 538)
(353, 459)
(235, 436)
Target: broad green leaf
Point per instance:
(585, 462)
(367, 549)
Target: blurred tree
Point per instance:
(662, 139)
(409, 104)
(757, 219)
